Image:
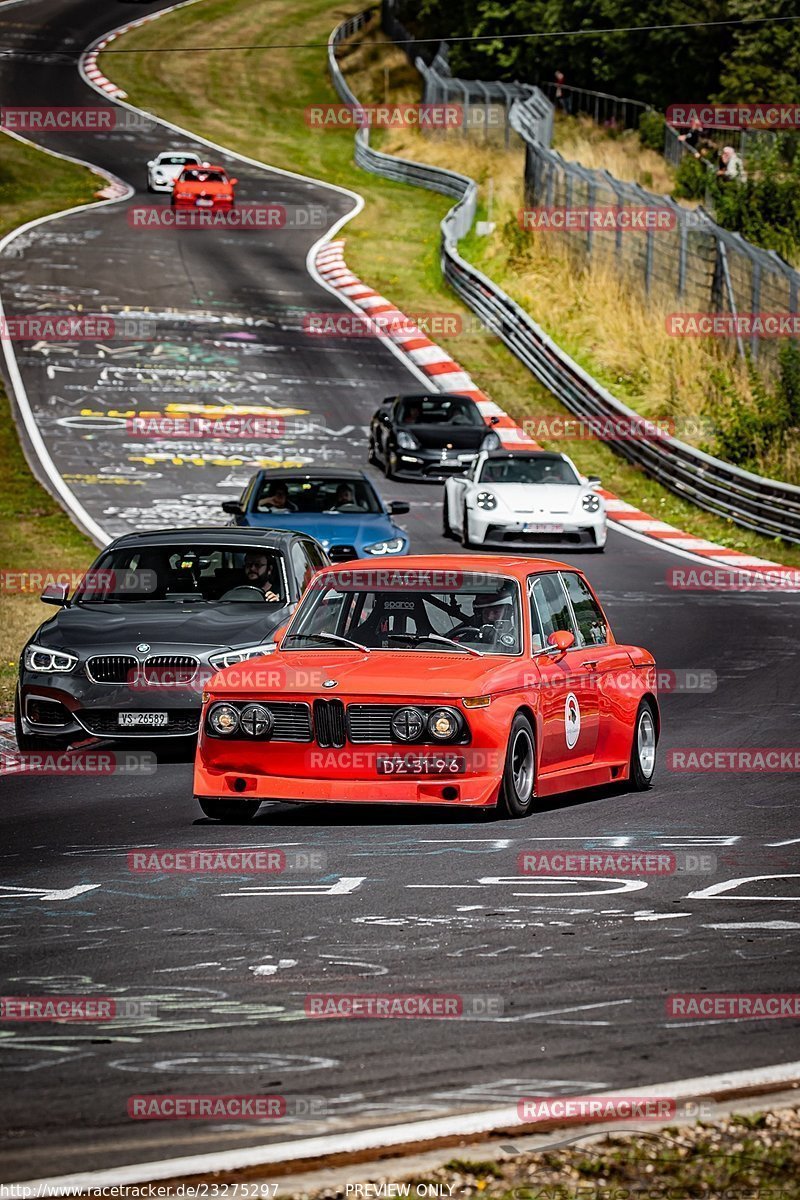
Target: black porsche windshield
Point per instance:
(439, 410)
(405, 609)
(184, 573)
(528, 470)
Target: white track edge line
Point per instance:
(485, 1121)
(73, 506)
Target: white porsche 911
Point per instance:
(164, 169)
(532, 499)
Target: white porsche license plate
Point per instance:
(541, 527)
(151, 720)
(204, 203)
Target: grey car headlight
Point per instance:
(228, 657)
(406, 440)
(491, 441)
(49, 662)
(591, 502)
(486, 500)
(389, 546)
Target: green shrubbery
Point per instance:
(651, 130)
(750, 433)
(766, 208)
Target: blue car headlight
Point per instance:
(394, 545)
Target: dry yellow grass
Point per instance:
(579, 139)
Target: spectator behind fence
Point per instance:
(731, 167)
(693, 136)
(562, 97)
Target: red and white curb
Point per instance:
(446, 375)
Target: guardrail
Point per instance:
(766, 506)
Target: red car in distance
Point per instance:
(468, 681)
(203, 186)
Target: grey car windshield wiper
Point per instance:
(437, 637)
(327, 637)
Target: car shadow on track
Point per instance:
(329, 815)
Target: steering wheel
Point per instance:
(244, 591)
(470, 634)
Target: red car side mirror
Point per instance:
(561, 640)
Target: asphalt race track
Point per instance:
(408, 901)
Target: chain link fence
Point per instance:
(691, 259)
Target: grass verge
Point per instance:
(254, 101)
(35, 532)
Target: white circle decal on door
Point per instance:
(572, 719)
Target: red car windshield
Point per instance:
(194, 176)
(461, 611)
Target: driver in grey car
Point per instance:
(260, 570)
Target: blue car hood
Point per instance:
(332, 529)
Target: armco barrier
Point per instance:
(766, 506)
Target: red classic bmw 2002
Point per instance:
(480, 681)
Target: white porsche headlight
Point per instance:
(49, 662)
(486, 500)
(406, 440)
(591, 502)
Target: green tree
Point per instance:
(764, 62)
